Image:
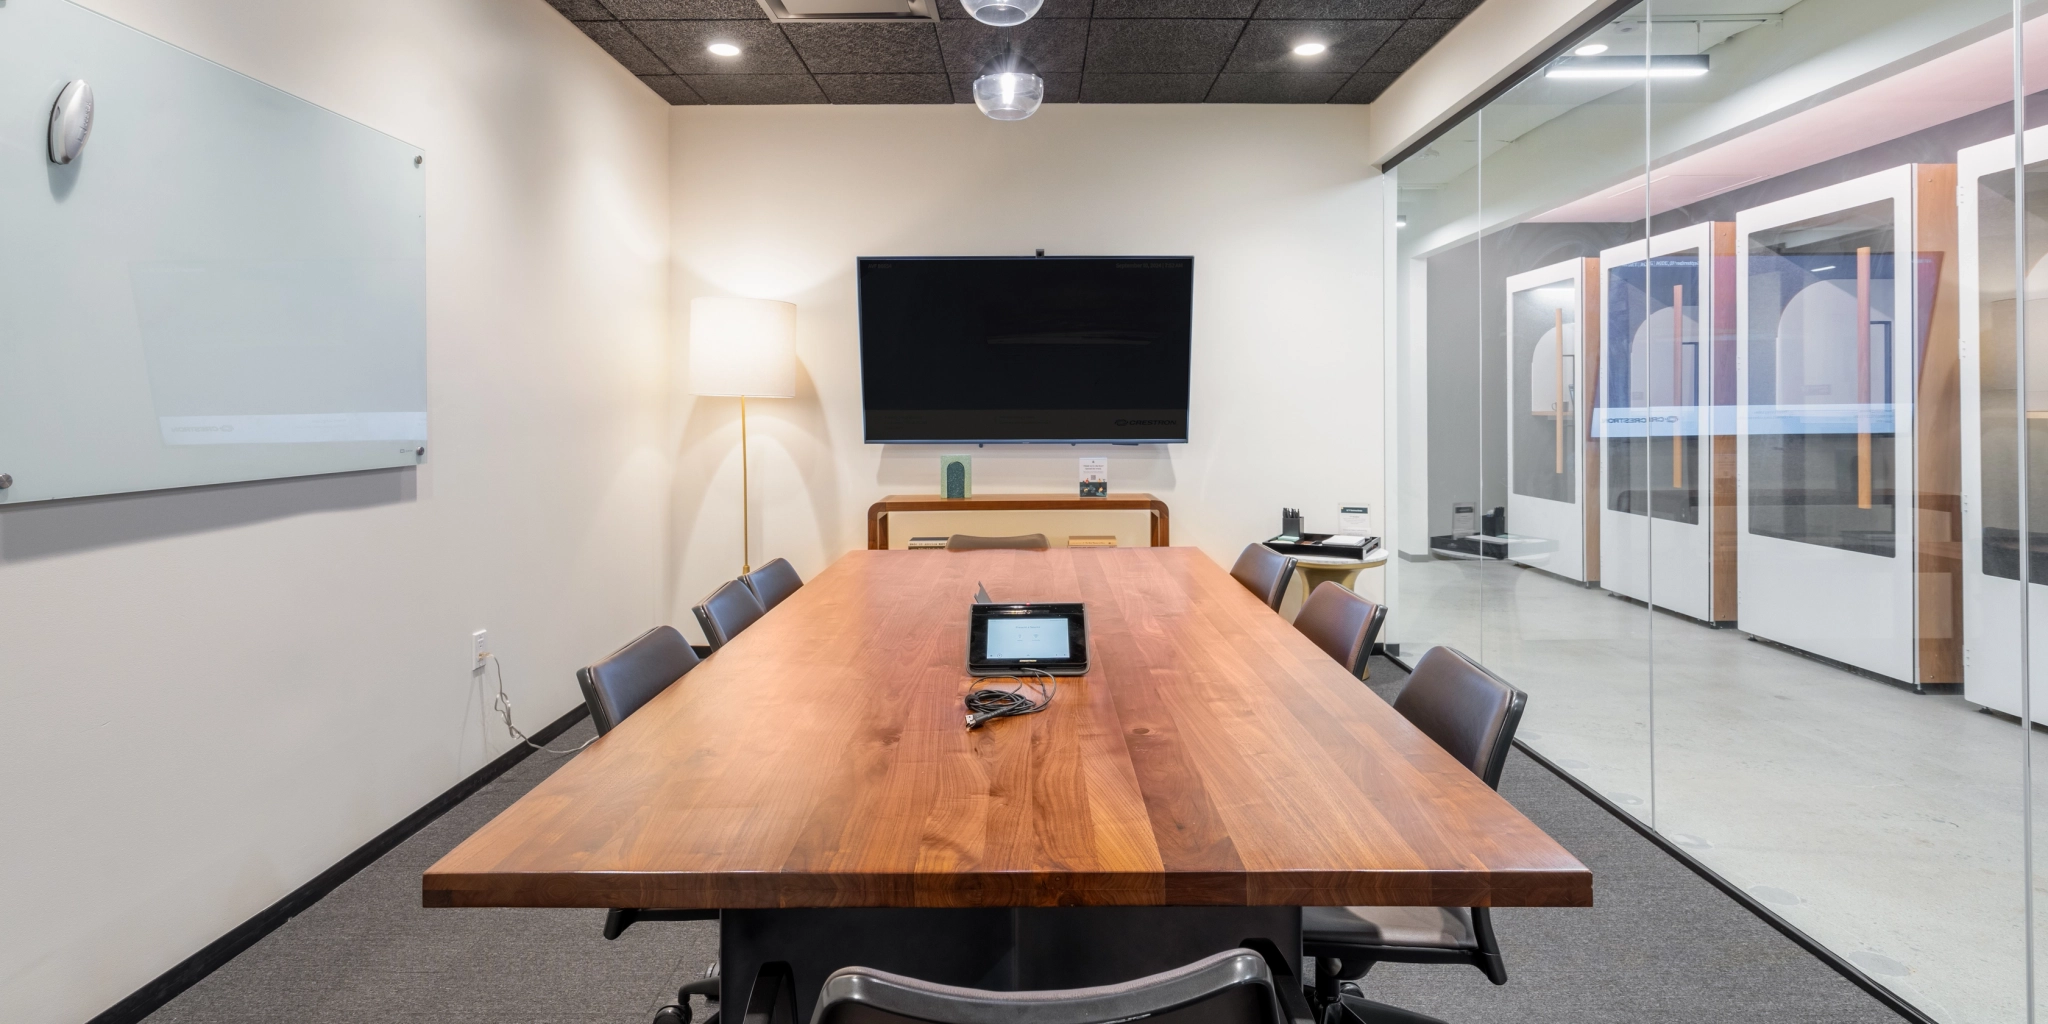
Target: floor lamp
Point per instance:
(743, 348)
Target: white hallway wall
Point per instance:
(216, 694)
(1278, 205)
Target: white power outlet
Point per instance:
(482, 638)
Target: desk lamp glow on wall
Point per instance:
(743, 348)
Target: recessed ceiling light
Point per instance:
(1309, 49)
(1591, 50)
(724, 49)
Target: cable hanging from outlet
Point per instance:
(504, 706)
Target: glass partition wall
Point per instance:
(1710, 431)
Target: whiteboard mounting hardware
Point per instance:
(70, 121)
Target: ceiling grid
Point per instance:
(1087, 51)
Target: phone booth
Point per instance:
(1846, 429)
(1990, 440)
(1665, 421)
(1551, 373)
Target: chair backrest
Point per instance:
(633, 674)
(773, 582)
(1234, 987)
(969, 542)
(1341, 622)
(1466, 709)
(730, 609)
(1265, 573)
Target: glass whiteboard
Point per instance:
(229, 283)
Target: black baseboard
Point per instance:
(1750, 903)
(149, 998)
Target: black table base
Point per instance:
(1005, 949)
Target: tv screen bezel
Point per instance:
(867, 438)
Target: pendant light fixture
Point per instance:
(1009, 88)
(1001, 13)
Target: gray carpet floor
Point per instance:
(1662, 944)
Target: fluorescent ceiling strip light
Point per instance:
(1673, 66)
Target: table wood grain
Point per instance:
(1212, 756)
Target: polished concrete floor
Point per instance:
(1884, 823)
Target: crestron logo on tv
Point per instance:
(1146, 423)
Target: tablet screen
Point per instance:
(1037, 638)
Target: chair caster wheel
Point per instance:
(672, 1014)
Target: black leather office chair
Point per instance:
(730, 609)
(969, 542)
(1472, 714)
(1234, 987)
(1265, 573)
(633, 674)
(773, 582)
(1343, 623)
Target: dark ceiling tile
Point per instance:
(950, 10)
(1060, 87)
(1055, 45)
(1395, 9)
(1267, 46)
(1098, 88)
(581, 10)
(724, 89)
(693, 10)
(1409, 43)
(1287, 87)
(1452, 9)
(1174, 8)
(1160, 45)
(673, 89)
(845, 48)
(1364, 87)
(624, 47)
(763, 50)
(886, 88)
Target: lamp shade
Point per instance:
(743, 347)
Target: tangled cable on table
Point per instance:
(987, 703)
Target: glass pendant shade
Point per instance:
(1009, 88)
(1001, 13)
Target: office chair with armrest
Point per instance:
(1233, 987)
(773, 583)
(730, 609)
(1265, 573)
(633, 674)
(1343, 623)
(969, 542)
(1472, 714)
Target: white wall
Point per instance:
(213, 695)
(1278, 205)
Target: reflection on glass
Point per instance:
(1820, 337)
(1653, 387)
(1996, 303)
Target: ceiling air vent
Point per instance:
(851, 10)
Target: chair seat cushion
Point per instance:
(1428, 927)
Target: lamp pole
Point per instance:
(746, 539)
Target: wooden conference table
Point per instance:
(814, 783)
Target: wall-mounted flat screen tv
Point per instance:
(1024, 349)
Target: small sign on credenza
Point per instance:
(1094, 477)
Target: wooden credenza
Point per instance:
(878, 513)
